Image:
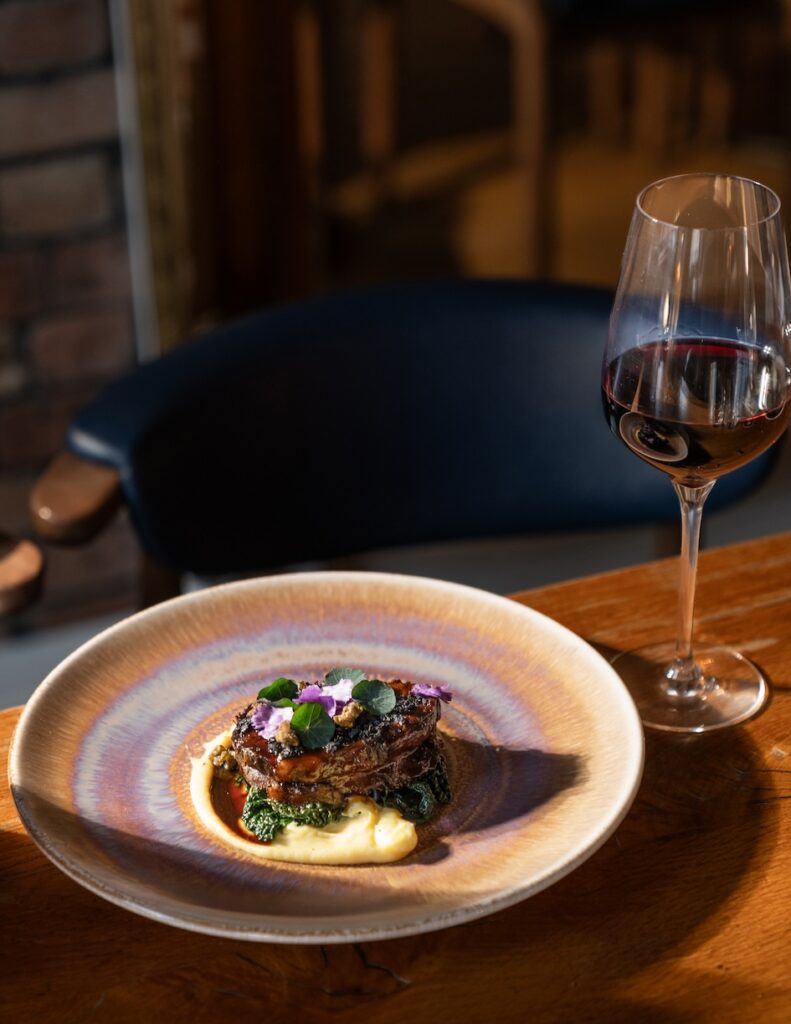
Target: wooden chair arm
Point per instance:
(74, 499)
(21, 572)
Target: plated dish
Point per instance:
(544, 751)
(337, 771)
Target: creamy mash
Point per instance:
(365, 834)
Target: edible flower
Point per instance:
(332, 698)
(426, 690)
(314, 694)
(267, 719)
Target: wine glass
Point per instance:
(696, 380)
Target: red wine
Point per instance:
(697, 408)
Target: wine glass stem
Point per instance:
(684, 677)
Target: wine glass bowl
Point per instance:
(696, 381)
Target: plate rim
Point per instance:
(268, 931)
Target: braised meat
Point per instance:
(376, 752)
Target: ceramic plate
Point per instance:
(545, 751)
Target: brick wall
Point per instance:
(65, 317)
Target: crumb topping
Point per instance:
(348, 715)
(286, 735)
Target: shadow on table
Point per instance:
(701, 826)
(493, 786)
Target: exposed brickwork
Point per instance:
(32, 429)
(14, 501)
(90, 272)
(44, 35)
(13, 372)
(54, 198)
(65, 292)
(19, 284)
(81, 346)
(68, 112)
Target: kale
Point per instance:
(265, 817)
(417, 800)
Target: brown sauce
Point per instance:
(228, 802)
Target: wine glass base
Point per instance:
(731, 688)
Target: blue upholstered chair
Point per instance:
(370, 419)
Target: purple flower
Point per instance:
(314, 694)
(426, 690)
(331, 698)
(342, 691)
(267, 719)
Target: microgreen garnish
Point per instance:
(310, 710)
(337, 674)
(427, 690)
(281, 687)
(375, 696)
(313, 725)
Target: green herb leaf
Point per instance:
(284, 702)
(375, 696)
(337, 674)
(280, 688)
(265, 817)
(313, 725)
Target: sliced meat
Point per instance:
(378, 751)
(391, 776)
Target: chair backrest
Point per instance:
(376, 418)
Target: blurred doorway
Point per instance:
(290, 147)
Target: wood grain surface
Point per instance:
(684, 915)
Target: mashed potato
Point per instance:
(365, 833)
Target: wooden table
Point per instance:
(684, 915)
